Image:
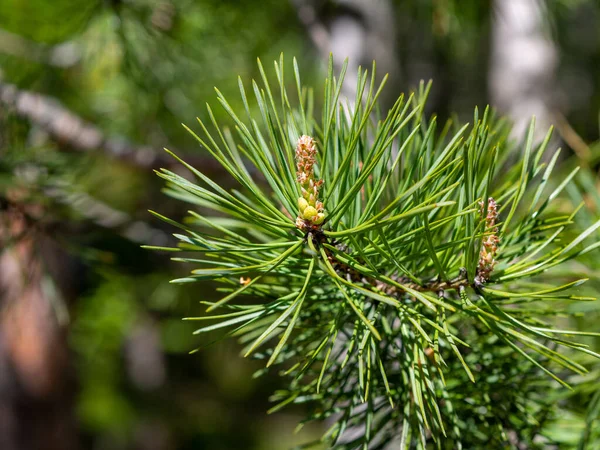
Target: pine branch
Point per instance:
(390, 274)
(346, 271)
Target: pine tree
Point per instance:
(389, 267)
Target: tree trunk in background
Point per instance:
(360, 30)
(523, 64)
(36, 391)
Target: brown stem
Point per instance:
(438, 286)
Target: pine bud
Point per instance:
(309, 212)
(311, 209)
(318, 219)
(302, 204)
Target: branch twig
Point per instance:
(69, 129)
(107, 217)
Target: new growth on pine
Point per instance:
(391, 270)
(489, 246)
(311, 213)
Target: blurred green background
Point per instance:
(93, 352)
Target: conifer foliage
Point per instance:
(390, 267)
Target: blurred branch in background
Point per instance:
(64, 55)
(103, 215)
(572, 138)
(70, 130)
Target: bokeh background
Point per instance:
(93, 351)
